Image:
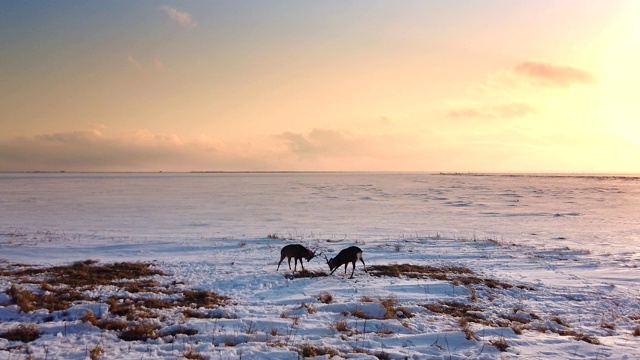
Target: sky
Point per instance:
(451, 86)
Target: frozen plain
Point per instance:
(570, 245)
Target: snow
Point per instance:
(569, 245)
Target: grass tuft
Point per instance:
(23, 333)
(306, 274)
(325, 297)
(193, 355)
(96, 352)
(140, 332)
(500, 344)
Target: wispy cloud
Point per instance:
(157, 65)
(182, 17)
(500, 111)
(134, 62)
(553, 75)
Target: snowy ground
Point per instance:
(565, 303)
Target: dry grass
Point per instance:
(325, 297)
(340, 325)
(464, 325)
(191, 313)
(61, 286)
(451, 308)
(311, 309)
(23, 333)
(203, 298)
(193, 355)
(458, 275)
(140, 332)
(306, 274)
(636, 331)
(310, 350)
(519, 328)
(610, 326)
(500, 344)
(180, 331)
(559, 321)
(96, 352)
(28, 301)
(389, 303)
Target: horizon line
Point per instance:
(451, 173)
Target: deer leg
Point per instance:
(289, 261)
(282, 258)
(365, 266)
(301, 264)
(352, 270)
(295, 264)
(345, 268)
(334, 269)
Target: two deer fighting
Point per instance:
(296, 251)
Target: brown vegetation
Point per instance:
(325, 297)
(306, 274)
(309, 350)
(455, 274)
(500, 344)
(24, 333)
(140, 331)
(61, 286)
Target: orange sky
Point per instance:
(480, 86)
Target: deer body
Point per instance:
(344, 257)
(297, 252)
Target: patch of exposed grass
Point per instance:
(53, 301)
(23, 333)
(451, 308)
(140, 332)
(389, 303)
(576, 335)
(180, 331)
(203, 298)
(500, 344)
(311, 309)
(458, 275)
(464, 325)
(96, 352)
(193, 355)
(190, 313)
(636, 331)
(610, 326)
(306, 274)
(87, 273)
(325, 297)
(340, 325)
(310, 350)
(559, 321)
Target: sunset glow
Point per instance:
(479, 86)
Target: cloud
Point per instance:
(157, 64)
(134, 62)
(325, 142)
(501, 111)
(141, 150)
(184, 18)
(553, 75)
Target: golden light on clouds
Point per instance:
(508, 87)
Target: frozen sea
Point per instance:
(595, 212)
(569, 245)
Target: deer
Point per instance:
(297, 252)
(344, 257)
